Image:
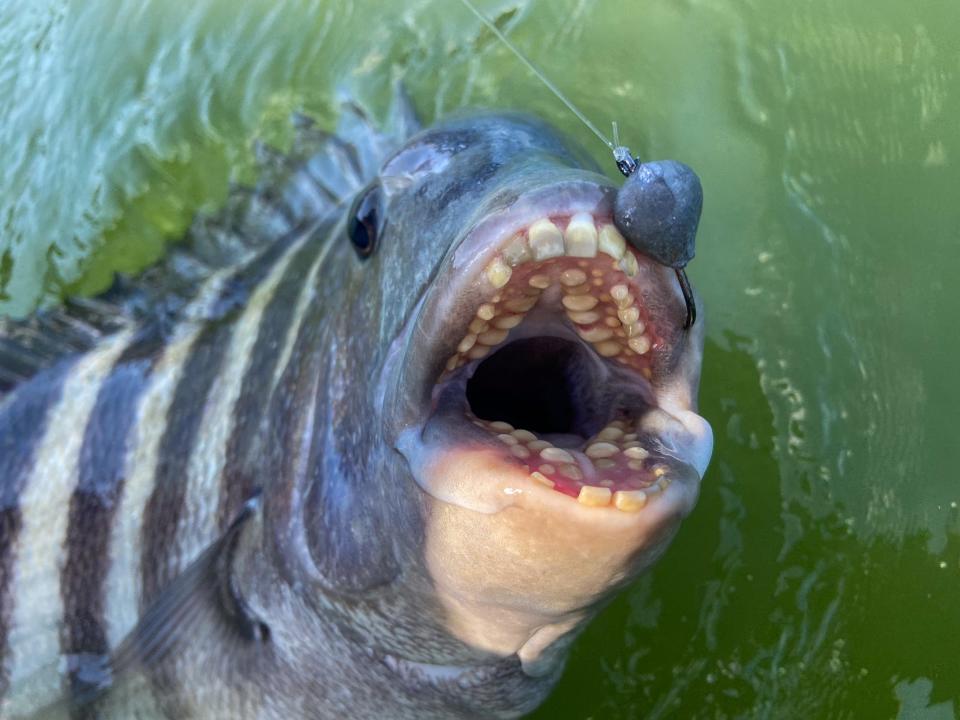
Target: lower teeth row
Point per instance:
(613, 449)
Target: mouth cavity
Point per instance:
(553, 370)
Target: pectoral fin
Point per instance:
(203, 596)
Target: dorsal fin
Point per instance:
(316, 176)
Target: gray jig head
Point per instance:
(657, 211)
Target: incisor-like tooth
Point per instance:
(507, 322)
(581, 236)
(520, 451)
(452, 362)
(602, 450)
(546, 240)
(579, 303)
(486, 311)
(541, 282)
(478, 326)
(597, 334)
(628, 316)
(508, 439)
(477, 352)
(630, 500)
(516, 251)
(492, 337)
(555, 454)
(594, 496)
(467, 342)
(633, 330)
(571, 471)
(611, 242)
(521, 305)
(542, 479)
(498, 273)
(523, 435)
(501, 426)
(537, 445)
(573, 276)
(629, 264)
(547, 468)
(636, 453)
(610, 433)
(608, 348)
(584, 318)
(639, 344)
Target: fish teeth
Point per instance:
(611, 432)
(596, 334)
(583, 318)
(581, 236)
(629, 316)
(579, 303)
(608, 348)
(541, 282)
(606, 316)
(601, 450)
(636, 453)
(594, 496)
(555, 454)
(546, 240)
(611, 242)
(630, 500)
(467, 343)
(573, 277)
(498, 273)
(517, 251)
(542, 479)
(629, 264)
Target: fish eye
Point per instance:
(363, 223)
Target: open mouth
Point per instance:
(552, 375)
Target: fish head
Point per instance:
(539, 393)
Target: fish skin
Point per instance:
(335, 560)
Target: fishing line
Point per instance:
(543, 78)
(627, 164)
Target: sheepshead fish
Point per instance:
(377, 441)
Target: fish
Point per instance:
(377, 440)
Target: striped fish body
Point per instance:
(261, 482)
(120, 465)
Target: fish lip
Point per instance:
(419, 354)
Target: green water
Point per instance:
(820, 574)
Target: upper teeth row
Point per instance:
(544, 240)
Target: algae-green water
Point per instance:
(819, 576)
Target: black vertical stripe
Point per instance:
(159, 558)
(101, 476)
(164, 508)
(24, 418)
(241, 471)
(203, 364)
